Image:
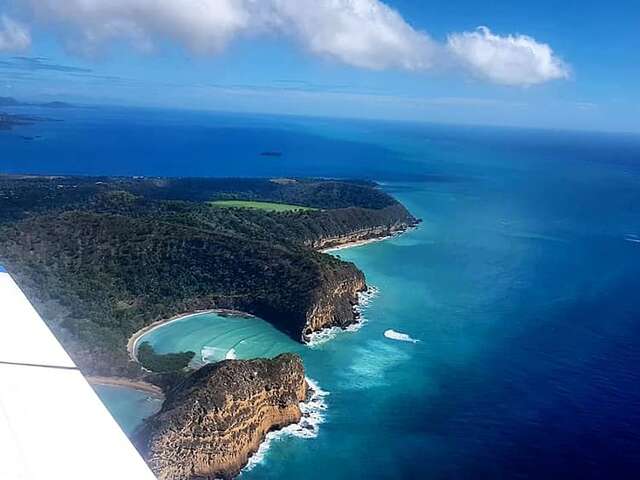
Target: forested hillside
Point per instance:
(102, 258)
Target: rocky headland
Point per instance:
(103, 258)
(333, 303)
(213, 421)
(389, 221)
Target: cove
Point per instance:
(214, 337)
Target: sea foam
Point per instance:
(399, 336)
(323, 336)
(313, 415)
(210, 354)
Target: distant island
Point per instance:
(8, 121)
(271, 153)
(12, 102)
(104, 258)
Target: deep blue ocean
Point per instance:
(522, 286)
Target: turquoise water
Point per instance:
(128, 406)
(521, 286)
(214, 337)
(526, 360)
(526, 317)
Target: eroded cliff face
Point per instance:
(334, 302)
(359, 236)
(212, 422)
(360, 224)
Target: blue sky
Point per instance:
(555, 64)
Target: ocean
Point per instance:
(520, 287)
(128, 406)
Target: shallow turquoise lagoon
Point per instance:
(214, 337)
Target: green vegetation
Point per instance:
(101, 258)
(162, 363)
(267, 206)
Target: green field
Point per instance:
(268, 206)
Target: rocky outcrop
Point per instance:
(334, 301)
(361, 236)
(351, 225)
(212, 422)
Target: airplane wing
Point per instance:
(52, 423)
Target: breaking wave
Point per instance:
(399, 336)
(210, 354)
(323, 336)
(313, 415)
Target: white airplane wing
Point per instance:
(52, 423)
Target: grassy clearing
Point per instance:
(268, 206)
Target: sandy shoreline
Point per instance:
(140, 385)
(314, 407)
(132, 344)
(295, 429)
(359, 243)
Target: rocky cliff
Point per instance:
(102, 258)
(361, 235)
(212, 422)
(333, 302)
(357, 224)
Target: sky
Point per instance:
(546, 63)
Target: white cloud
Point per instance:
(201, 25)
(13, 36)
(361, 33)
(509, 60)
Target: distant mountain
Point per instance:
(12, 102)
(9, 102)
(56, 105)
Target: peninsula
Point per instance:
(212, 422)
(103, 259)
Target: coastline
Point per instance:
(313, 415)
(367, 241)
(141, 385)
(358, 243)
(132, 343)
(320, 336)
(314, 407)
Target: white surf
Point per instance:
(399, 336)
